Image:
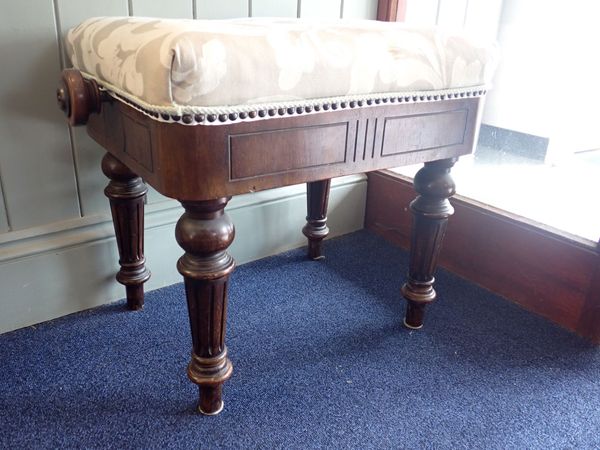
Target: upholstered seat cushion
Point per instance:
(178, 67)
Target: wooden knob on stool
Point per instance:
(78, 97)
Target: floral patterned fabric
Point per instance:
(197, 65)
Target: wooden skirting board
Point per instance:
(555, 276)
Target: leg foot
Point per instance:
(126, 192)
(135, 297)
(204, 231)
(317, 198)
(414, 314)
(431, 210)
(210, 403)
(408, 325)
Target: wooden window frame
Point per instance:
(391, 10)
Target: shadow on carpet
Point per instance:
(321, 360)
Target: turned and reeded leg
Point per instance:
(204, 231)
(431, 210)
(317, 197)
(126, 192)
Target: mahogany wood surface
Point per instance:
(205, 232)
(430, 210)
(127, 192)
(244, 157)
(391, 10)
(78, 97)
(589, 321)
(548, 274)
(203, 166)
(317, 197)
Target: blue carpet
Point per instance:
(320, 361)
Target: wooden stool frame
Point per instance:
(203, 166)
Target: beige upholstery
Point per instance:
(178, 67)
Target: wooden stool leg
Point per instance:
(204, 231)
(317, 197)
(431, 210)
(126, 192)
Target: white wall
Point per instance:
(57, 250)
(480, 17)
